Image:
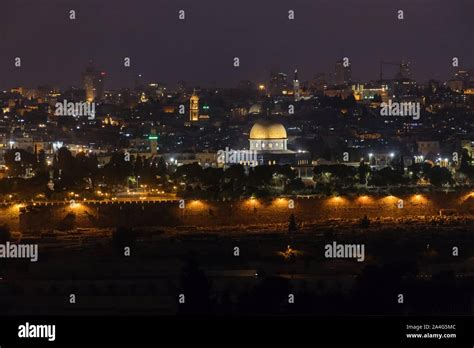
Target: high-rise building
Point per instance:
(463, 79)
(194, 107)
(278, 83)
(296, 86)
(405, 71)
(93, 82)
(319, 83)
(342, 73)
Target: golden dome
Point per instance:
(264, 131)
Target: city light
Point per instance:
(252, 202)
(215, 173)
(418, 199)
(390, 199)
(337, 201)
(364, 199)
(74, 205)
(280, 202)
(197, 205)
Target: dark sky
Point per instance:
(55, 50)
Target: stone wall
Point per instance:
(241, 212)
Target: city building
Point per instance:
(278, 84)
(270, 141)
(93, 82)
(296, 86)
(342, 74)
(194, 107)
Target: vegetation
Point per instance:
(82, 173)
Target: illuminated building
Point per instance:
(194, 107)
(428, 148)
(153, 138)
(462, 80)
(169, 109)
(342, 74)
(342, 93)
(368, 93)
(296, 86)
(255, 109)
(267, 136)
(269, 139)
(93, 82)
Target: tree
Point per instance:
(363, 171)
(118, 169)
(337, 174)
(387, 176)
(41, 164)
(66, 173)
(18, 160)
(189, 173)
(439, 176)
(465, 166)
(261, 175)
(162, 169)
(138, 166)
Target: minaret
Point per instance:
(296, 86)
(194, 107)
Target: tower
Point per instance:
(194, 107)
(93, 82)
(342, 73)
(296, 86)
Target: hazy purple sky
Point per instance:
(199, 50)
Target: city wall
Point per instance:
(198, 213)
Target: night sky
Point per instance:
(200, 50)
